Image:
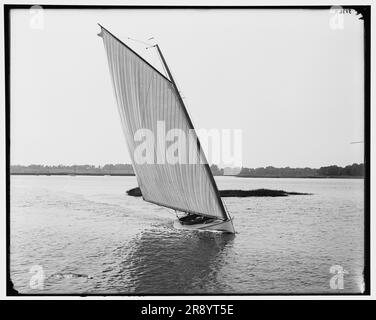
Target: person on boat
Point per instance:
(192, 218)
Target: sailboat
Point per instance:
(145, 97)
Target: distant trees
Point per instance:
(119, 166)
(351, 170)
(354, 170)
(120, 169)
(216, 171)
(329, 171)
(278, 172)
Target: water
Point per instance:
(78, 235)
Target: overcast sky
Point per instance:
(292, 83)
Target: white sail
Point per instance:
(145, 97)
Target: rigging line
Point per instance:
(154, 64)
(140, 41)
(225, 205)
(164, 67)
(161, 62)
(177, 86)
(160, 59)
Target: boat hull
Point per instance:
(215, 226)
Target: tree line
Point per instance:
(110, 169)
(354, 170)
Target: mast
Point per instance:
(206, 165)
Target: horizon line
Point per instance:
(255, 167)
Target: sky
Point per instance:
(290, 81)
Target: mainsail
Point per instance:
(145, 97)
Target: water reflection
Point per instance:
(165, 260)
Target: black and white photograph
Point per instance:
(187, 150)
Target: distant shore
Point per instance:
(302, 177)
(68, 174)
(132, 174)
(354, 171)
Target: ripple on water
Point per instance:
(89, 237)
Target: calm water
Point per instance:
(85, 235)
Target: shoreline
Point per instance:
(132, 174)
(307, 177)
(69, 174)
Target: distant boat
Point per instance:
(145, 96)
